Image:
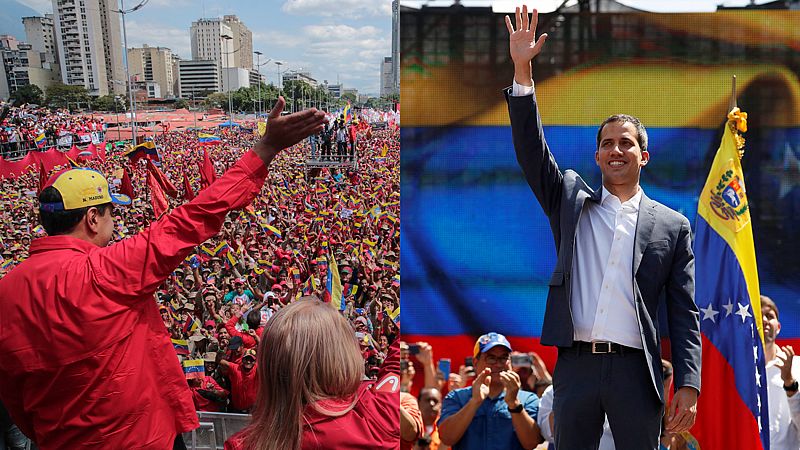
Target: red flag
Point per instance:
(101, 152)
(162, 180)
(157, 197)
(42, 177)
(207, 173)
(74, 152)
(126, 187)
(188, 193)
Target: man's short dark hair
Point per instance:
(768, 303)
(62, 222)
(641, 133)
(253, 319)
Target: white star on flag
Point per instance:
(743, 313)
(728, 308)
(758, 383)
(709, 313)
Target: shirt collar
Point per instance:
(633, 202)
(60, 242)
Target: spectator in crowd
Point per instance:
(430, 405)
(207, 394)
(494, 413)
(244, 382)
(410, 421)
(103, 341)
(312, 389)
(783, 371)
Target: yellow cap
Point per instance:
(80, 188)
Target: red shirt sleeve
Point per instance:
(230, 325)
(134, 267)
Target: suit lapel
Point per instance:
(644, 228)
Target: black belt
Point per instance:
(603, 348)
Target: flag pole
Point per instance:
(732, 103)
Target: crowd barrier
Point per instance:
(215, 429)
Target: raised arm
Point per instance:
(139, 264)
(533, 154)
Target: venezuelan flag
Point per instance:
(333, 290)
(7, 263)
(194, 368)
(727, 292)
(396, 280)
(394, 315)
(146, 149)
(208, 139)
(181, 346)
(40, 140)
(267, 227)
(190, 326)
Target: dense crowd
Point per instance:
(307, 228)
(30, 127)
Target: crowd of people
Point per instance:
(308, 231)
(31, 127)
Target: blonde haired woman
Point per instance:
(312, 392)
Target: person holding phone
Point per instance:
(495, 413)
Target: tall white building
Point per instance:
(154, 64)
(208, 43)
(387, 77)
(396, 46)
(294, 75)
(89, 45)
(242, 40)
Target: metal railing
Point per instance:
(215, 429)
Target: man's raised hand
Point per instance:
(285, 131)
(523, 44)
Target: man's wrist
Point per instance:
(513, 404)
(790, 385)
(523, 74)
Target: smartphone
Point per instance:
(403, 365)
(444, 367)
(521, 360)
(413, 349)
(468, 361)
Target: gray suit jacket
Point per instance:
(662, 260)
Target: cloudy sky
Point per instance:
(344, 40)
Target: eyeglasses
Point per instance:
(497, 359)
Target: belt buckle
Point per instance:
(599, 351)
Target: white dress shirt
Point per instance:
(784, 412)
(602, 300)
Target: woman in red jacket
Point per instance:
(312, 392)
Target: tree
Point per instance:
(349, 96)
(107, 103)
(61, 95)
(216, 100)
(181, 103)
(29, 94)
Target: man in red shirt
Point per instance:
(244, 384)
(207, 394)
(87, 361)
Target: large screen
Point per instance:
(477, 251)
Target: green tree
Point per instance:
(107, 103)
(66, 96)
(349, 96)
(181, 103)
(216, 100)
(29, 94)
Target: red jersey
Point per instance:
(247, 340)
(86, 359)
(244, 386)
(203, 404)
(373, 423)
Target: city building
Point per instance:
(153, 64)
(196, 78)
(208, 42)
(351, 91)
(242, 42)
(234, 78)
(335, 90)
(295, 75)
(387, 77)
(89, 45)
(395, 46)
(13, 65)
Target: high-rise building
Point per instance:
(41, 34)
(396, 46)
(196, 78)
(295, 75)
(242, 40)
(13, 65)
(33, 62)
(155, 65)
(387, 77)
(208, 43)
(89, 45)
